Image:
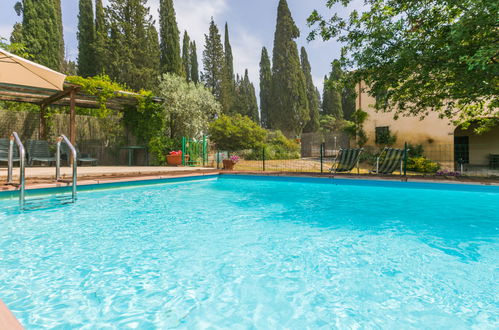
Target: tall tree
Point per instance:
(86, 39)
(313, 103)
(348, 98)
(213, 60)
(332, 102)
(186, 61)
(169, 39)
(289, 104)
(101, 39)
(246, 103)
(228, 88)
(42, 31)
(60, 32)
(133, 44)
(265, 86)
(194, 63)
(421, 56)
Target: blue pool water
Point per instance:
(245, 253)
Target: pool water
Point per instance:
(248, 252)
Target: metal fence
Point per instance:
(436, 160)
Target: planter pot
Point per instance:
(228, 164)
(175, 160)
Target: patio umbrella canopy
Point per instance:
(15, 70)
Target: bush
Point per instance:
(277, 146)
(422, 165)
(415, 150)
(237, 132)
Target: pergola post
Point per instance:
(72, 118)
(43, 123)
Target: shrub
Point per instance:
(277, 146)
(415, 150)
(236, 133)
(422, 165)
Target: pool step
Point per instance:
(47, 202)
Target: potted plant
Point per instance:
(229, 163)
(174, 158)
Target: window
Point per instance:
(382, 134)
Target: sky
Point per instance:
(251, 26)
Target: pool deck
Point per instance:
(43, 177)
(7, 320)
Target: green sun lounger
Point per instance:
(388, 161)
(346, 160)
(38, 151)
(82, 158)
(4, 151)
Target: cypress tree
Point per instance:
(213, 60)
(101, 39)
(289, 104)
(171, 61)
(246, 103)
(133, 44)
(42, 31)
(265, 86)
(86, 39)
(228, 89)
(194, 63)
(60, 32)
(332, 100)
(313, 104)
(186, 61)
(348, 97)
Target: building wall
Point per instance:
(435, 134)
(481, 146)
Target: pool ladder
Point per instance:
(34, 203)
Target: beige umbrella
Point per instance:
(15, 70)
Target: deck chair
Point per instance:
(82, 158)
(4, 151)
(346, 160)
(388, 161)
(38, 150)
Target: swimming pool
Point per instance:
(243, 252)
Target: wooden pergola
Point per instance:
(71, 95)
(25, 81)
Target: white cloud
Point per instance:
(246, 49)
(5, 31)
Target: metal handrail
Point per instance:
(74, 160)
(14, 138)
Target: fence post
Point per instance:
(183, 151)
(322, 157)
(205, 151)
(405, 161)
(263, 158)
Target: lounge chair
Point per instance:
(38, 150)
(82, 158)
(4, 151)
(346, 160)
(389, 160)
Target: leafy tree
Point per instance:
(186, 61)
(188, 107)
(332, 100)
(16, 37)
(100, 40)
(213, 60)
(133, 49)
(228, 88)
(421, 56)
(355, 128)
(194, 63)
(42, 31)
(171, 61)
(289, 104)
(265, 88)
(313, 102)
(236, 133)
(86, 39)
